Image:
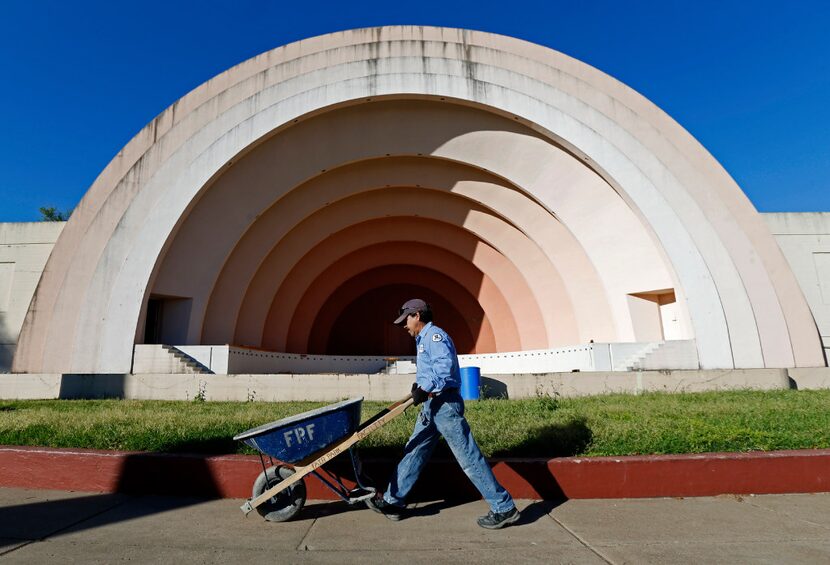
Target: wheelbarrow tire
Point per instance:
(284, 505)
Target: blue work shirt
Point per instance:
(437, 361)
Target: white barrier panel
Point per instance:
(561, 360)
(231, 360)
(252, 361)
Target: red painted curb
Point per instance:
(231, 476)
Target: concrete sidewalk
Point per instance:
(38, 526)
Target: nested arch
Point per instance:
(625, 245)
(546, 289)
(453, 315)
(254, 183)
(744, 306)
(380, 291)
(463, 281)
(495, 283)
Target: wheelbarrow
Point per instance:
(300, 445)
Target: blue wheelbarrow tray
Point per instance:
(294, 438)
(301, 445)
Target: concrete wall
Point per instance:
(24, 249)
(334, 387)
(805, 240)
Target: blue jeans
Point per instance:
(444, 416)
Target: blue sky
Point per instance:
(750, 80)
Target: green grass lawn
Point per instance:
(539, 427)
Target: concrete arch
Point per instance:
(545, 292)
(470, 314)
(313, 287)
(370, 307)
(504, 296)
(577, 265)
(744, 303)
(279, 220)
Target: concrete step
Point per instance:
(679, 354)
(186, 363)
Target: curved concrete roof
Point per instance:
(301, 299)
(576, 181)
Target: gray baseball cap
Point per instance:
(410, 307)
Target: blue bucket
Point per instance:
(470, 377)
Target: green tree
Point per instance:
(52, 214)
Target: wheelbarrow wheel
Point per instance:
(284, 505)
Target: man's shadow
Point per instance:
(443, 485)
(531, 513)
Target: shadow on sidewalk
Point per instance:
(529, 475)
(47, 518)
(531, 513)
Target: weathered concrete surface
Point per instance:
(805, 240)
(760, 529)
(24, 249)
(38, 514)
(807, 379)
(708, 530)
(334, 387)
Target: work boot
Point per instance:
(379, 504)
(496, 520)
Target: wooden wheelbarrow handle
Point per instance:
(321, 458)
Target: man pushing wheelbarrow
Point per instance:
(436, 388)
(302, 445)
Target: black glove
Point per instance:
(419, 395)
